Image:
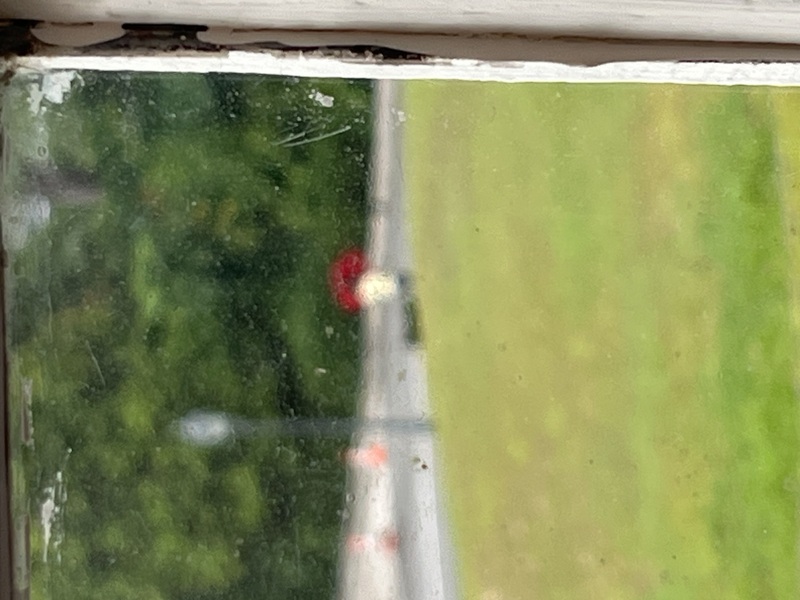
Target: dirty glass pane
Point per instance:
(180, 365)
(608, 282)
(290, 338)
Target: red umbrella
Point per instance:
(343, 277)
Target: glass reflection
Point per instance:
(222, 338)
(170, 239)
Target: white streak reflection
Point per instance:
(210, 428)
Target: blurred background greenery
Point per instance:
(189, 274)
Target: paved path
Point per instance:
(397, 545)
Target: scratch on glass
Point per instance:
(299, 139)
(95, 363)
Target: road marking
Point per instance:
(373, 456)
(388, 541)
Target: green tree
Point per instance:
(196, 281)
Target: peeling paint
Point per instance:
(321, 99)
(75, 35)
(51, 513)
(47, 515)
(53, 87)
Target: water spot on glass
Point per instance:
(321, 99)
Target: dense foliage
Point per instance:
(194, 279)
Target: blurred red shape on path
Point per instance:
(343, 277)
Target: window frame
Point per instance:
(766, 21)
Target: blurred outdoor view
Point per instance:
(288, 338)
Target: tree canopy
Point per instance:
(194, 278)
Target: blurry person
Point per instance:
(355, 285)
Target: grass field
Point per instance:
(608, 278)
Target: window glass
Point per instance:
(172, 331)
(281, 337)
(608, 284)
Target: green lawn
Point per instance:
(609, 303)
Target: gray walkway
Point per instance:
(397, 545)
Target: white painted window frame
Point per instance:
(685, 41)
(757, 21)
